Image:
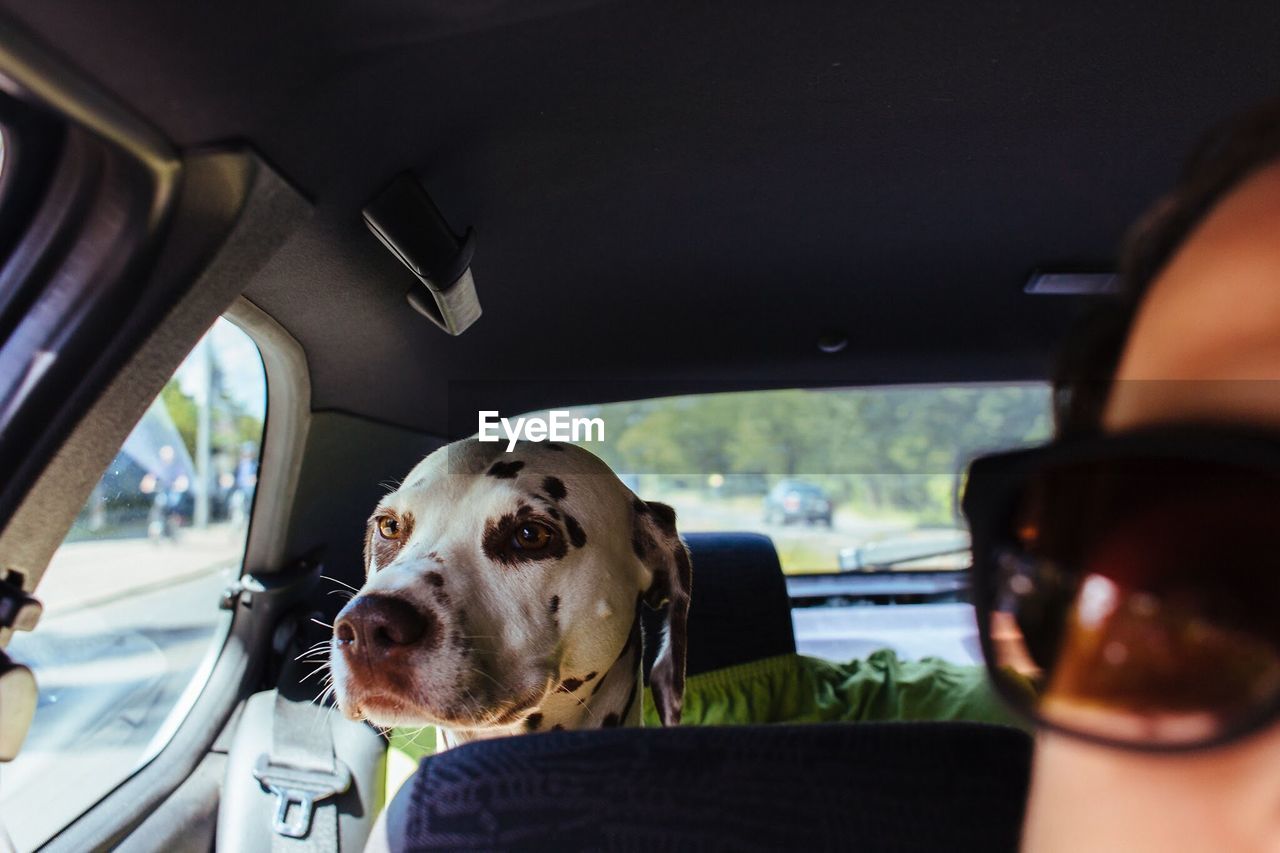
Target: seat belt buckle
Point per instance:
(305, 787)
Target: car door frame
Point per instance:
(102, 319)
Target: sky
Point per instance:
(235, 353)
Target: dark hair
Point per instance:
(1226, 156)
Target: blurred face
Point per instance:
(1204, 346)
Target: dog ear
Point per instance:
(658, 546)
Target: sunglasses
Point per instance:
(1127, 587)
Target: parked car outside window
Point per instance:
(795, 500)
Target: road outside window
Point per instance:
(132, 623)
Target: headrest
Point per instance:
(869, 786)
(739, 611)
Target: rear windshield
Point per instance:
(852, 479)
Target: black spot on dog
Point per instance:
(569, 685)
(435, 579)
(589, 676)
(557, 728)
(532, 722)
(554, 486)
(458, 638)
(577, 535)
(611, 721)
(505, 470)
(554, 606)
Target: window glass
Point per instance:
(857, 487)
(132, 623)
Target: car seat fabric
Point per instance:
(875, 786)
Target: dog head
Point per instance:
(493, 578)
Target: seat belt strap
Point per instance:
(303, 773)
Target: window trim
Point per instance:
(284, 438)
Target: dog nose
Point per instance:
(381, 624)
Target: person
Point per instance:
(1130, 566)
(246, 480)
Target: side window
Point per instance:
(132, 623)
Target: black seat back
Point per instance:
(864, 786)
(740, 611)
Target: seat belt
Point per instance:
(301, 769)
(304, 775)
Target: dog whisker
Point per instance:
(339, 582)
(322, 624)
(496, 713)
(322, 719)
(313, 672)
(590, 713)
(478, 671)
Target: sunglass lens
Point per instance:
(1139, 598)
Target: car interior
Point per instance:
(387, 216)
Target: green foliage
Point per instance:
(231, 426)
(184, 412)
(879, 450)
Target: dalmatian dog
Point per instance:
(503, 594)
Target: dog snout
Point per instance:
(379, 625)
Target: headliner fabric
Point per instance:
(888, 786)
(685, 189)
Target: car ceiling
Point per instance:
(669, 193)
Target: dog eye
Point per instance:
(531, 537)
(388, 527)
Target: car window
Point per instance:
(857, 487)
(132, 622)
